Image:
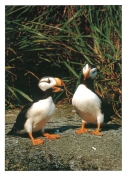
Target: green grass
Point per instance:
(59, 40)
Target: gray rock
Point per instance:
(71, 152)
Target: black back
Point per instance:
(88, 82)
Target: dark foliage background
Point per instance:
(58, 41)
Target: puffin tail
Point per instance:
(108, 112)
(12, 132)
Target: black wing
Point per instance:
(20, 120)
(107, 110)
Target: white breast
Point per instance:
(87, 104)
(39, 114)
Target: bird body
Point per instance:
(87, 103)
(34, 116)
(38, 115)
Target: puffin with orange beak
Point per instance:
(87, 103)
(34, 116)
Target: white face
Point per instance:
(92, 71)
(46, 83)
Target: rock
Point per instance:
(71, 152)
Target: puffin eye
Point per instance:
(49, 80)
(43, 80)
(94, 71)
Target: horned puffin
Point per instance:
(34, 116)
(87, 103)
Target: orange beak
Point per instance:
(86, 75)
(59, 82)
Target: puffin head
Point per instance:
(89, 71)
(46, 83)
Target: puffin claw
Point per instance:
(81, 131)
(37, 141)
(95, 132)
(51, 136)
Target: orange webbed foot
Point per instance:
(51, 136)
(96, 132)
(81, 131)
(37, 141)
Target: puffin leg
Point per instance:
(35, 141)
(51, 136)
(96, 132)
(82, 129)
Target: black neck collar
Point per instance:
(46, 94)
(88, 82)
(40, 95)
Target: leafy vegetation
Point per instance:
(58, 41)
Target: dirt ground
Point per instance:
(71, 152)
